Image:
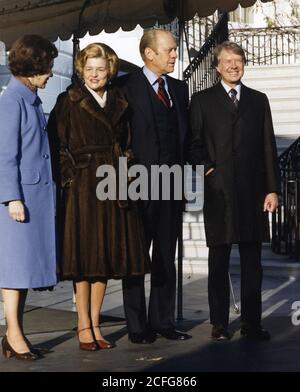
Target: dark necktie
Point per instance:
(233, 94)
(162, 93)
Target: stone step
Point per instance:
(267, 78)
(196, 248)
(266, 84)
(190, 217)
(284, 141)
(281, 92)
(271, 71)
(273, 264)
(287, 128)
(195, 266)
(286, 115)
(276, 266)
(288, 103)
(193, 230)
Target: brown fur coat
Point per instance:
(98, 239)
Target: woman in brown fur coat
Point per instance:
(100, 240)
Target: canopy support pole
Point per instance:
(76, 34)
(180, 235)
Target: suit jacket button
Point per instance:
(46, 156)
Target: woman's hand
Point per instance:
(16, 210)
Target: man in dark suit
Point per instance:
(233, 137)
(158, 117)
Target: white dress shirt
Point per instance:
(152, 78)
(237, 88)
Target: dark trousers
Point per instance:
(161, 221)
(251, 280)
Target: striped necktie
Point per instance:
(162, 93)
(232, 95)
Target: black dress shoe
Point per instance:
(142, 338)
(218, 332)
(173, 334)
(151, 336)
(257, 333)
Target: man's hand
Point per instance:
(209, 171)
(271, 202)
(16, 210)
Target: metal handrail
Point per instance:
(201, 73)
(286, 219)
(265, 46)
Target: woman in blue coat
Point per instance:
(27, 203)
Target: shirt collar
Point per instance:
(151, 76)
(24, 91)
(228, 88)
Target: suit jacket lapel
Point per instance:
(140, 91)
(244, 105)
(244, 100)
(224, 99)
(172, 92)
(174, 95)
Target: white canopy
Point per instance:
(56, 18)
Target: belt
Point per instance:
(80, 157)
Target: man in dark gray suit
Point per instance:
(232, 135)
(158, 116)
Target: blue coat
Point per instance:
(28, 249)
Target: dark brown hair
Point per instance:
(31, 55)
(231, 47)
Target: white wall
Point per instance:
(124, 43)
(257, 15)
(62, 72)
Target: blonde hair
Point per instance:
(96, 50)
(149, 40)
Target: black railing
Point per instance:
(266, 46)
(286, 220)
(197, 30)
(201, 73)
